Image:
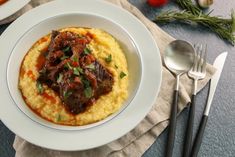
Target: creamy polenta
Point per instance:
(48, 104)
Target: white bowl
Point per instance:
(76, 20)
(143, 57)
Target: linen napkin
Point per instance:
(137, 141)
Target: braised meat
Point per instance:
(73, 72)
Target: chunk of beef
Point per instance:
(77, 77)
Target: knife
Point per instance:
(218, 64)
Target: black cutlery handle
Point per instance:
(172, 125)
(189, 131)
(199, 136)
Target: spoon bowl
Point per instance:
(179, 56)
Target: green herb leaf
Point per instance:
(122, 74)
(39, 87)
(85, 82)
(68, 66)
(91, 66)
(75, 59)
(58, 118)
(79, 35)
(80, 70)
(87, 51)
(221, 26)
(76, 72)
(189, 6)
(66, 94)
(116, 66)
(60, 77)
(108, 59)
(88, 92)
(66, 49)
(64, 57)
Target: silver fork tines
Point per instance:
(198, 70)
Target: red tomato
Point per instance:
(75, 64)
(157, 3)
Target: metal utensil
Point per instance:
(178, 58)
(218, 64)
(197, 72)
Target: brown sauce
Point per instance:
(31, 75)
(41, 61)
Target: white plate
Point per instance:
(11, 7)
(12, 41)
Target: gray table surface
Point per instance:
(219, 137)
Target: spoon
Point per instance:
(178, 58)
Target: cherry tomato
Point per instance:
(157, 3)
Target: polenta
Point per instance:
(56, 68)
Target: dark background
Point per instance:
(219, 137)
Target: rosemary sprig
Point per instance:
(189, 6)
(223, 27)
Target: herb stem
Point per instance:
(222, 27)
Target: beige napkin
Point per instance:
(136, 142)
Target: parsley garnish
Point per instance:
(91, 66)
(116, 66)
(85, 82)
(80, 70)
(76, 72)
(87, 51)
(122, 74)
(64, 57)
(60, 77)
(88, 92)
(67, 65)
(108, 59)
(66, 94)
(75, 59)
(66, 49)
(39, 87)
(58, 117)
(79, 35)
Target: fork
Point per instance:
(197, 72)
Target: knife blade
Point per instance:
(218, 64)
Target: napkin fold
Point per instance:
(137, 141)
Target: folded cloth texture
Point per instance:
(137, 141)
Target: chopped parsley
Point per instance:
(60, 77)
(58, 118)
(87, 51)
(88, 92)
(64, 57)
(79, 35)
(108, 59)
(85, 82)
(116, 66)
(66, 94)
(122, 74)
(66, 49)
(39, 87)
(75, 59)
(67, 65)
(91, 66)
(76, 71)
